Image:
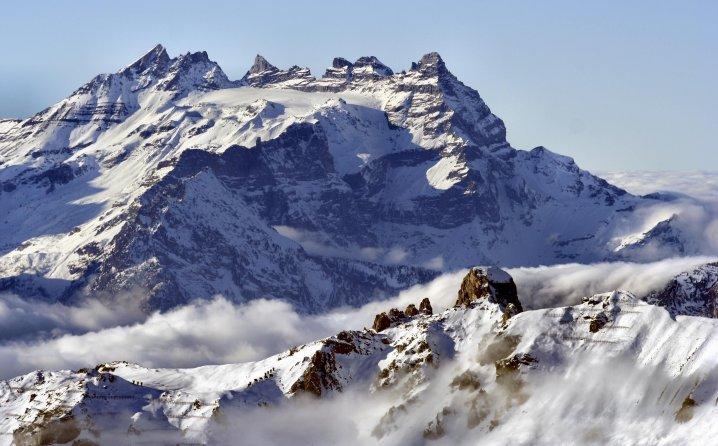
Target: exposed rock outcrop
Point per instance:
(319, 376)
(692, 293)
(425, 307)
(491, 284)
(381, 322)
(384, 320)
(411, 310)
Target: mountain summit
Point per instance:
(169, 180)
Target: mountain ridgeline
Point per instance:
(169, 180)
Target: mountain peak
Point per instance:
(198, 57)
(431, 58)
(370, 66)
(261, 65)
(155, 57)
(431, 63)
(340, 62)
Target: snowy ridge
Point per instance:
(472, 372)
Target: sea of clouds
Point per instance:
(54, 336)
(37, 335)
(689, 199)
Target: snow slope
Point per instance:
(612, 370)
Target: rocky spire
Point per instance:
(261, 65)
(156, 58)
(263, 73)
(431, 64)
(193, 58)
(184, 74)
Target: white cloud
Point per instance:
(559, 285)
(694, 203)
(698, 184)
(218, 331)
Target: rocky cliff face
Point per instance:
(170, 180)
(692, 293)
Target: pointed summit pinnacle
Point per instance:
(431, 64)
(154, 58)
(431, 58)
(261, 65)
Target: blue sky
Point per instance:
(617, 85)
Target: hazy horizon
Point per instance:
(627, 88)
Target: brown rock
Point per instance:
(343, 344)
(50, 431)
(411, 310)
(685, 413)
(425, 307)
(381, 322)
(509, 312)
(319, 376)
(489, 283)
(467, 380)
(512, 364)
(396, 315)
(434, 430)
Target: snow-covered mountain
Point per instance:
(169, 180)
(691, 293)
(611, 370)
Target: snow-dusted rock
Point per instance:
(691, 293)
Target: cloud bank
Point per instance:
(53, 336)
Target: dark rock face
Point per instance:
(598, 322)
(155, 61)
(491, 284)
(261, 65)
(239, 243)
(692, 293)
(319, 376)
(370, 67)
(340, 62)
(263, 73)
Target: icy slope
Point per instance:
(611, 370)
(356, 183)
